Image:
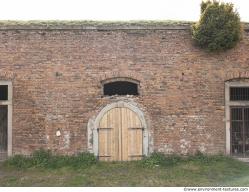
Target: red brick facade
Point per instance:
(56, 74)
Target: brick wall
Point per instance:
(56, 76)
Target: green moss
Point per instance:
(68, 24)
(90, 22)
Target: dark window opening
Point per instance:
(240, 131)
(120, 88)
(3, 92)
(239, 93)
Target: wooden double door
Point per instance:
(120, 135)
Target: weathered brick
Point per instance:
(57, 74)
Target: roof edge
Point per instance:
(98, 25)
(92, 25)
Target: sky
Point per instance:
(187, 10)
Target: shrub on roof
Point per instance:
(219, 27)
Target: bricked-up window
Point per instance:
(239, 93)
(3, 92)
(120, 88)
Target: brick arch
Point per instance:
(237, 75)
(6, 75)
(122, 74)
(129, 79)
(239, 79)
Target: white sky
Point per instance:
(188, 10)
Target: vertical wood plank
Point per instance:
(131, 134)
(119, 129)
(125, 133)
(135, 137)
(107, 138)
(120, 134)
(115, 140)
(111, 140)
(115, 131)
(103, 138)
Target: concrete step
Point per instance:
(243, 159)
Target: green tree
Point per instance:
(219, 27)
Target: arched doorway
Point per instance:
(119, 133)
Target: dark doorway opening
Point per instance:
(3, 92)
(120, 88)
(3, 131)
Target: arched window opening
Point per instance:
(120, 88)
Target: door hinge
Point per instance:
(104, 128)
(136, 128)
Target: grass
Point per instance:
(198, 170)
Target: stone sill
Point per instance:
(243, 159)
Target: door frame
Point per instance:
(93, 124)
